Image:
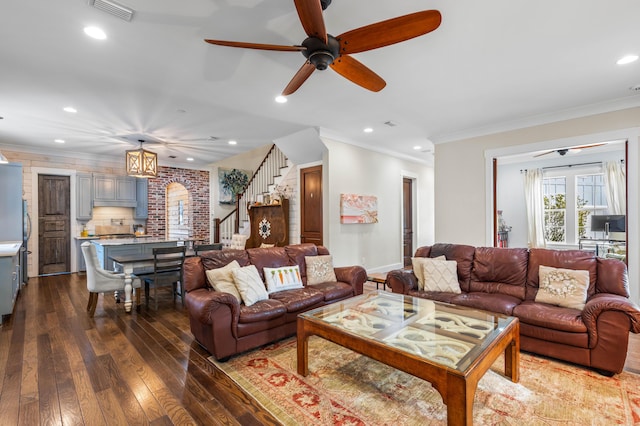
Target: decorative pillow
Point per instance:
(249, 284)
(284, 278)
(320, 269)
(563, 287)
(441, 275)
(417, 263)
(221, 279)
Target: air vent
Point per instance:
(113, 8)
(635, 88)
(390, 123)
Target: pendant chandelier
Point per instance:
(142, 163)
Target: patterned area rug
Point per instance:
(345, 388)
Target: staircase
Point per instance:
(273, 168)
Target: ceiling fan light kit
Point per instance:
(322, 50)
(142, 163)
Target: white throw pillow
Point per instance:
(563, 287)
(441, 275)
(320, 269)
(283, 278)
(221, 279)
(249, 284)
(417, 264)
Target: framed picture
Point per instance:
(230, 183)
(358, 208)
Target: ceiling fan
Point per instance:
(323, 50)
(564, 151)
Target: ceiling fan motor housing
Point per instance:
(319, 54)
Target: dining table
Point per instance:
(130, 264)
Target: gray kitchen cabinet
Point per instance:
(142, 203)
(9, 282)
(114, 191)
(84, 183)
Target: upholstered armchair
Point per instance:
(100, 280)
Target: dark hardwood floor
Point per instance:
(57, 366)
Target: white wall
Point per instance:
(462, 173)
(377, 247)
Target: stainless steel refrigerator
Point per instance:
(12, 214)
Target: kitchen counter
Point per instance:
(97, 237)
(9, 248)
(137, 240)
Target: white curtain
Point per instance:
(615, 184)
(534, 200)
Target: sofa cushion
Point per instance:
(500, 270)
(219, 258)
(563, 287)
(556, 343)
(432, 295)
(283, 278)
(221, 279)
(569, 259)
(440, 275)
(272, 257)
(494, 302)
(549, 316)
(298, 299)
(297, 253)
(249, 284)
(612, 277)
(334, 290)
(319, 269)
(417, 264)
(263, 310)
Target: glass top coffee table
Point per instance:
(447, 345)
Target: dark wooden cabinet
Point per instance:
(269, 225)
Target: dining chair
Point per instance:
(100, 280)
(199, 248)
(167, 271)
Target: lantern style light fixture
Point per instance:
(142, 163)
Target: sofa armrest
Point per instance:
(402, 280)
(354, 275)
(609, 302)
(202, 304)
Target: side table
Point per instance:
(378, 278)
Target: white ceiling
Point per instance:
(492, 65)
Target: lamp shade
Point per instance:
(142, 163)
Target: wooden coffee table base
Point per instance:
(457, 388)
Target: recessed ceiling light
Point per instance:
(281, 99)
(189, 158)
(95, 32)
(367, 130)
(627, 59)
(58, 140)
(417, 147)
(70, 109)
(233, 142)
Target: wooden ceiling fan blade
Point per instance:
(358, 73)
(389, 32)
(310, 14)
(258, 46)
(301, 76)
(588, 146)
(545, 153)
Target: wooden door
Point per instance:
(53, 224)
(311, 205)
(407, 220)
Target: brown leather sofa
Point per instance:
(226, 327)
(505, 280)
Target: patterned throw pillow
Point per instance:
(320, 269)
(249, 284)
(221, 279)
(441, 275)
(417, 263)
(283, 278)
(563, 287)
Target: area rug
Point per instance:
(345, 388)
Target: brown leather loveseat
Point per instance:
(506, 280)
(225, 326)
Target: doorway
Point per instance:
(311, 205)
(178, 212)
(407, 220)
(54, 223)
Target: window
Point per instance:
(555, 209)
(591, 200)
